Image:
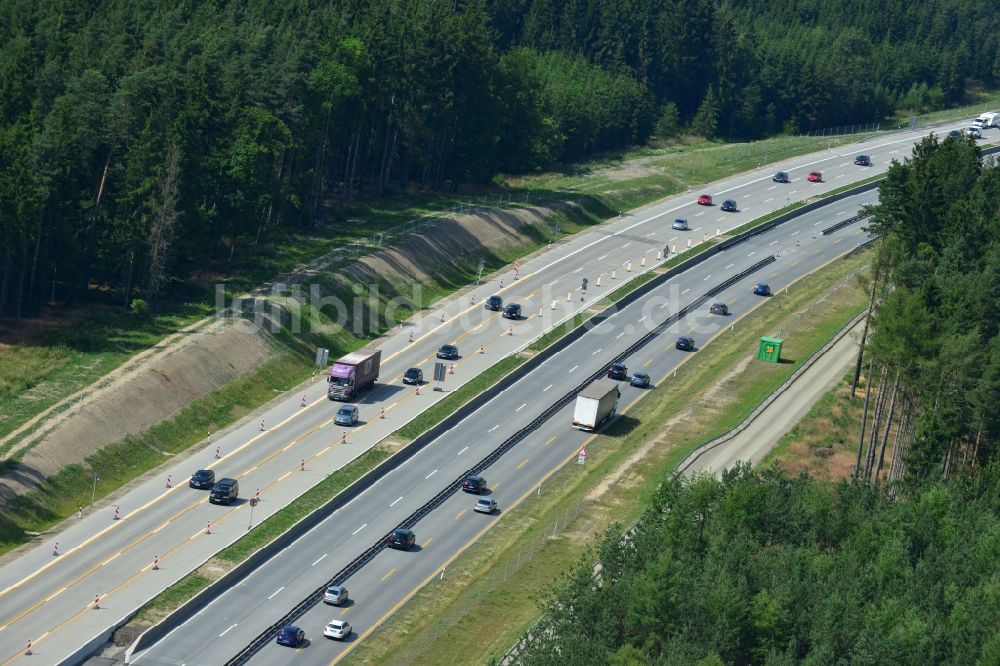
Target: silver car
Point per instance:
(485, 505)
(336, 595)
(337, 629)
(680, 224)
(346, 415)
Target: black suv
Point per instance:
(226, 491)
(685, 343)
(402, 539)
(413, 376)
(203, 478)
(512, 311)
(617, 371)
(863, 160)
(493, 303)
(448, 352)
(474, 484)
(719, 309)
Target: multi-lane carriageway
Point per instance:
(239, 615)
(49, 598)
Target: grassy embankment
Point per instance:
(504, 574)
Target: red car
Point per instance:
(705, 200)
(814, 177)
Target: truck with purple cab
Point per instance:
(352, 374)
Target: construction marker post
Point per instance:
(156, 562)
(253, 503)
(97, 602)
(55, 550)
(168, 482)
(208, 527)
(118, 513)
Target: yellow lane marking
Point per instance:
(523, 463)
(388, 575)
(551, 439)
(460, 514)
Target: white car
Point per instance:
(337, 629)
(974, 132)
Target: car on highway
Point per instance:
(225, 491)
(680, 224)
(684, 343)
(974, 132)
(639, 380)
(705, 200)
(413, 376)
(955, 134)
(815, 177)
(474, 483)
(335, 595)
(729, 206)
(485, 505)
(863, 160)
(402, 539)
(761, 289)
(203, 478)
(780, 177)
(291, 636)
(494, 303)
(719, 309)
(448, 352)
(512, 311)
(618, 371)
(346, 415)
(337, 629)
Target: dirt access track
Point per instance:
(157, 384)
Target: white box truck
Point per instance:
(596, 405)
(987, 120)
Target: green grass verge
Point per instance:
(502, 575)
(445, 407)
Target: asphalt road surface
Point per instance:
(392, 577)
(47, 594)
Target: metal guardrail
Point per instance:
(845, 223)
(369, 554)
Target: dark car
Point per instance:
(729, 205)
(512, 311)
(617, 371)
(494, 303)
(863, 160)
(705, 200)
(639, 380)
(402, 539)
(291, 636)
(448, 352)
(685, 343)
(203, 478)
(226, 491)
(761, 289)
(780, 177)
(413, 376)
(474, 484)
(719, 309)
(955, 134)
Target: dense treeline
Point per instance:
(141, 141)
(933, 360)
(757, 568)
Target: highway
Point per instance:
(47, 594)
(394, 576)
